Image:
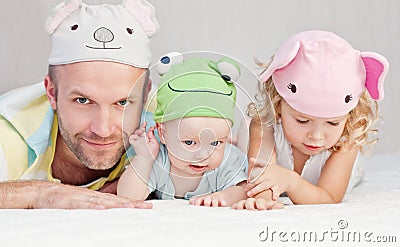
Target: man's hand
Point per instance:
(43, 194)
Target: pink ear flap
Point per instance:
(282, 58)
(60, 12)
(144, 13)
(376, 67)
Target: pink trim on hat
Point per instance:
(144, 14)
(376, 67)
(60, 12)
(320, 74)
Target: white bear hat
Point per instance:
(118, 33)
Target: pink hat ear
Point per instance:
(60, 12)
(376, 67)
(144, 14)
(282, 58)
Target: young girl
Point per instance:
(194, 115)
(323, 93)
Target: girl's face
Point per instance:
(310, 135)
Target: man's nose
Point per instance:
(103, 123)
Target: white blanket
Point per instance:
(369, 216)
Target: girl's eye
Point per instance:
(189, 143)
(333, 123)
(216, 143)
(302, 121)
(82, 101)
(123, 103)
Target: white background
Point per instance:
(242, 29)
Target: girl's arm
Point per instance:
(134, 181)
(332, 184)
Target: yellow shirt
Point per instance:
(28, 132)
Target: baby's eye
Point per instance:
(302, 121)
(216, 143)
(189, 143)
(82, 101)
(123, 103)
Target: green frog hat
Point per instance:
(197, 87)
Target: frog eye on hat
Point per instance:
(229, 69)
(168, 60)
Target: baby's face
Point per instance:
(195, 144)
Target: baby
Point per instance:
(194, 115)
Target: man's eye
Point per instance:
(82, 101)
(216, 143)
(302, 121)
(189, 143)
(123, 103)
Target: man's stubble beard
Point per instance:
(94, 163)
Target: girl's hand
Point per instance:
(257, 204)
(274, 178)
(145, 144)
(209, 200)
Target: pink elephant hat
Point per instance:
(320, 74)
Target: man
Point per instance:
(58, 140)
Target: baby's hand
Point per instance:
(257, 204)
(275, 178)
(209, 200)
(145, 145)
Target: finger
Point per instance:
(152, 138)
(215, 202)
(239, 205)
(278, 205)
(275, 192)
(263, 186)
(261, 204)
(207, 201)
(196, 201)
(250, 204)
(192, 200)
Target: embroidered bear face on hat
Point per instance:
(118, 33)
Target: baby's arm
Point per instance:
(134, 181)
(261, 147)
(224, 198)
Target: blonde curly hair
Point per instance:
(358, 131)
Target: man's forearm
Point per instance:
(19, 194)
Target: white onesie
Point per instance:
(313, 166)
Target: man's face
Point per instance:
(92, 98)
